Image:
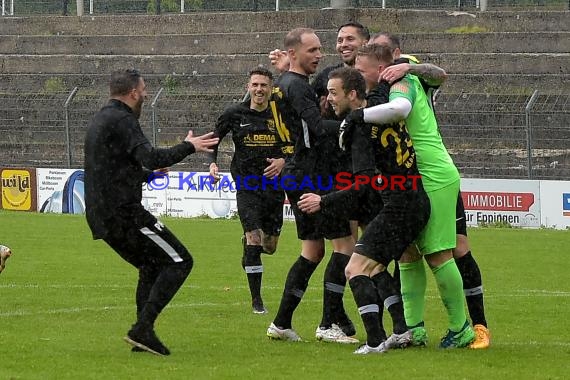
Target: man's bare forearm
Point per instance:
(432, 74)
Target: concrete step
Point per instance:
(234, 84)
(514, 172)
(512, 163)
(455, 63)
(395, 20)
(263, 42)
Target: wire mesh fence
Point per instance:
(66, 7)
(488, 135)
(506, 135)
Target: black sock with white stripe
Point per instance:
(472, 287)
(334, 284)
(254, 271)
(391, 299)
(366, 298)
(295, 286)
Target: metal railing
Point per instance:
(96, 7)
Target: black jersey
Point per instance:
(257, 135)
(385, 149)
(299, 105)
(378, 95)
(116, 153)
(319, 84)
(376, 149)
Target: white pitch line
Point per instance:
(26, 313)
(430, 292)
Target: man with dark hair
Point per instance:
(350, 36)
(262, 141)
(431, 79)
(309, 133)
(376, 149)
(118, 159)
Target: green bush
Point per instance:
(170, 84)
(53, 85)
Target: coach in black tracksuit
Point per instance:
(116, 155)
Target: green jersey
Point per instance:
(434, 162)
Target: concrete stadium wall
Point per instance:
(202, 59)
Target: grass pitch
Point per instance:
(67, 301)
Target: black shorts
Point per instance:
(152, 244)
(317, 226)
(369, 205)
(261, 209)
(460, 217)
(397, 225)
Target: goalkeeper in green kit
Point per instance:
(409, 102)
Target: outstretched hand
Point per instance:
(202, 143)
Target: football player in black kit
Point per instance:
(350, 36)
(385, 149)
(261, 142)
(310, 134)
(118, 159)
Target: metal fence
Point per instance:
(68, 7)
(488, 135)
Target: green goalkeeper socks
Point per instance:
(450, 287)
(413, 279)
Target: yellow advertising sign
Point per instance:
(16, 189)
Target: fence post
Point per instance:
(90, 7)
(79, 7)
(529, 144)
(340, 4)
(154, 121)
(181, 6)
(483, 5)
(67, 132)
(3, 6)
(277, 5)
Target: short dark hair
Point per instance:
(123, 81)
(394, 40)
(293, 38)
(362, 30)
(381, 53)
(351, 80)
(261, 71)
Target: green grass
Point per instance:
(467, 29)
(67, 301)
